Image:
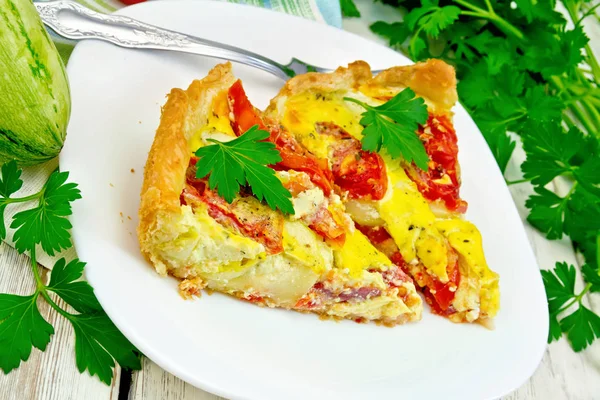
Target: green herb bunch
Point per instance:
(98, 342)
(527, 73)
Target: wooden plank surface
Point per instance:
(154, 383)
(51, 375)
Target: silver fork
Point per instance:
(74, 21)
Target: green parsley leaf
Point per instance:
(97, 342)
(458, 34)
(588, 174)
(244, 161)
(550, 151)
(592, 277)
(541, 107)
(394, 126)
(10, 183)
(475, 89)
(21, 328)
(582, 223)
(582, 327)
(432, 18)
(572, 44)
(500, 54)
(555, 332)
(47, 224)
(396, 33)
(78, 294)
(547, 212)
(501, 145)
(526, 8)
(543, 10)
(560, 285)
(417, 47)
(349, 9)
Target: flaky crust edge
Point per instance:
(164, 174)
(434, 80)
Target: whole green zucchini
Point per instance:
(34, 91)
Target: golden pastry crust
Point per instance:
(355, 75)
(434, 80)
(183, 240)
(169, 156)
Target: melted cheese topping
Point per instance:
(465, 238)
(218, 121)
(412, 224)
(304, 110)
(404, 210)
(358, 254)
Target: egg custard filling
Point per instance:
(413, 216)
(367, 232)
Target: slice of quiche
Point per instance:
(315, 260)
(412, 216)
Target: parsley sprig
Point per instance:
(98, 343)
(393, 125)
(523, 70)
(244, 161)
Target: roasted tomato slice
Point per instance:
(441, 181)
(293, 154)
(360, 173)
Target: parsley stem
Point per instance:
(360, 103)
(489, 6)
(518, 181)
(583, 119)
(472, 14)
(479, 11)
(35, 196)
(591, 59)
(587, 14)
(41, 288)
(491, 15)
(568, 120)
(592, 112)
(576, 299)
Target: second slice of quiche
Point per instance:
(412, 215)
(314, 260)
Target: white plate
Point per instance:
(233, 348)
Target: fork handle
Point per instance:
(74, 21)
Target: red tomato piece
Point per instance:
(361, 173)
(441, 181)
(293, 154)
